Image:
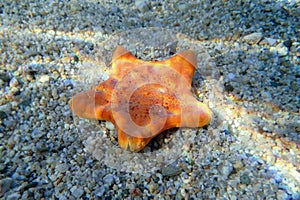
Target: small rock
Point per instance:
(282, 50)
(9, 123)
(244, 179)
(44, 78)
(278, 178)
(271, 159)
(12, 140)
(296, 195)
(6, 108)
(61, 168)
(131, 186)
(228, 87)
(25, 103)
(109, 179)
(182, 7)
(76, 192)
(31, 185)
(4, 77)
(297, 51)
(281, 194)
(170, 170)
(231, 76)
(153, 187)
(41, 147)
(184, 193)
(5, 185)
(288, 43)
(226, 169)
(238, 165)
(253, 38)
(2, 168)
(13, 82)
(13, 196)
(63, 197)
(100, 191)
(271, 41)
(54, 93)
(69, 82)
(3, 115)
(109, 126)
(142, 5)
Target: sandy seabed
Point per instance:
(248, 74)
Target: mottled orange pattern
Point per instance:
(144, 98)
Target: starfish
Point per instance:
(144, 98)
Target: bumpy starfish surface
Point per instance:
(144, 98)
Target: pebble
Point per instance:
(6, 107)
(296, 195)
(109, 179)
(54, 93)
(231, 76)
(4, 77)
(13, 82)
(170, 170)
(110, 126)
(271, 41)
(44, 78)
(1, 83)
(76, 192)
(5, 185)
(282, 50)
(13, 196)
(142, 5)
(288, 43)
(244, 179)
(100, 191)
(182, 7)
(278, 178)
(271, 159)
(9, 123)
(36, 134)
(281, 194)
(62, 168)
(3, 115)
(253, 38)
(184, 193)
(227, 169)
(152, 187)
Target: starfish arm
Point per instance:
(87, 105)
(205, 114)
(185, 64)
(195, 114)
(119, 52)
(123, 62)
(131, 143)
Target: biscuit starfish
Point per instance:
(144, 98)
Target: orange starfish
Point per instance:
(144, 98)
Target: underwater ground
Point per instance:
(247, 73)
